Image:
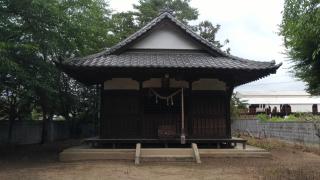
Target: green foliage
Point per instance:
(36, 115)
(264, 143)
(308, 117)
(208, 31)
(149, 9)
(296, 117)
(236, 106)
(301, 30)
(35, 34)
(126, 23)
(266, 118)
(122, 25)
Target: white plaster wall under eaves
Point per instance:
(166, 36)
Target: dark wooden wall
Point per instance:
(208, 114)
(120, 114)
(135, 114)
(162, 113)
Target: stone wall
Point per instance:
(296, 132)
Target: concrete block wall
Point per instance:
(29, 132)
(296, 132)
(24, 132)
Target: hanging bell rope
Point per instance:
(168, 98)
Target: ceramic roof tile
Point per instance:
(170, 60)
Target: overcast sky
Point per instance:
(252, 27)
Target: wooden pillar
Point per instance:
(101, 111)
(190, 123)
(229, 91)
(98, 107)
(141, 109)
(183, 136)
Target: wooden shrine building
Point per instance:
(165, 83)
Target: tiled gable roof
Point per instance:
(212, 58)
(156, 21)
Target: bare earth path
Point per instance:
(37, 162)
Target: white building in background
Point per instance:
(299, 101)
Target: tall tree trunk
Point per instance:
(44, 133)
(49, 124)
(63, 87)
(12, 117)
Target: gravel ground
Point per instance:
(40, 162)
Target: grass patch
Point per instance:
(272, 144)
(297, 117)
(311, 149)
(290, 173)
(267, 144)
(266, 118)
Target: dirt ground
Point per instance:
(37, 162)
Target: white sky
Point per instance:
(252, 27)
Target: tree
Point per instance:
(300, 28)
(34, 34)
(37, 33)
(125, 23)
(15, 80)
(146, 10)
(208, 31)
(236, 106)
(122, 25)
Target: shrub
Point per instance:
(266, 118)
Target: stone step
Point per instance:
(82, 153)
(225, 153)
(167, 159)
(145, 152)
(166, 154)
(79, 154)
